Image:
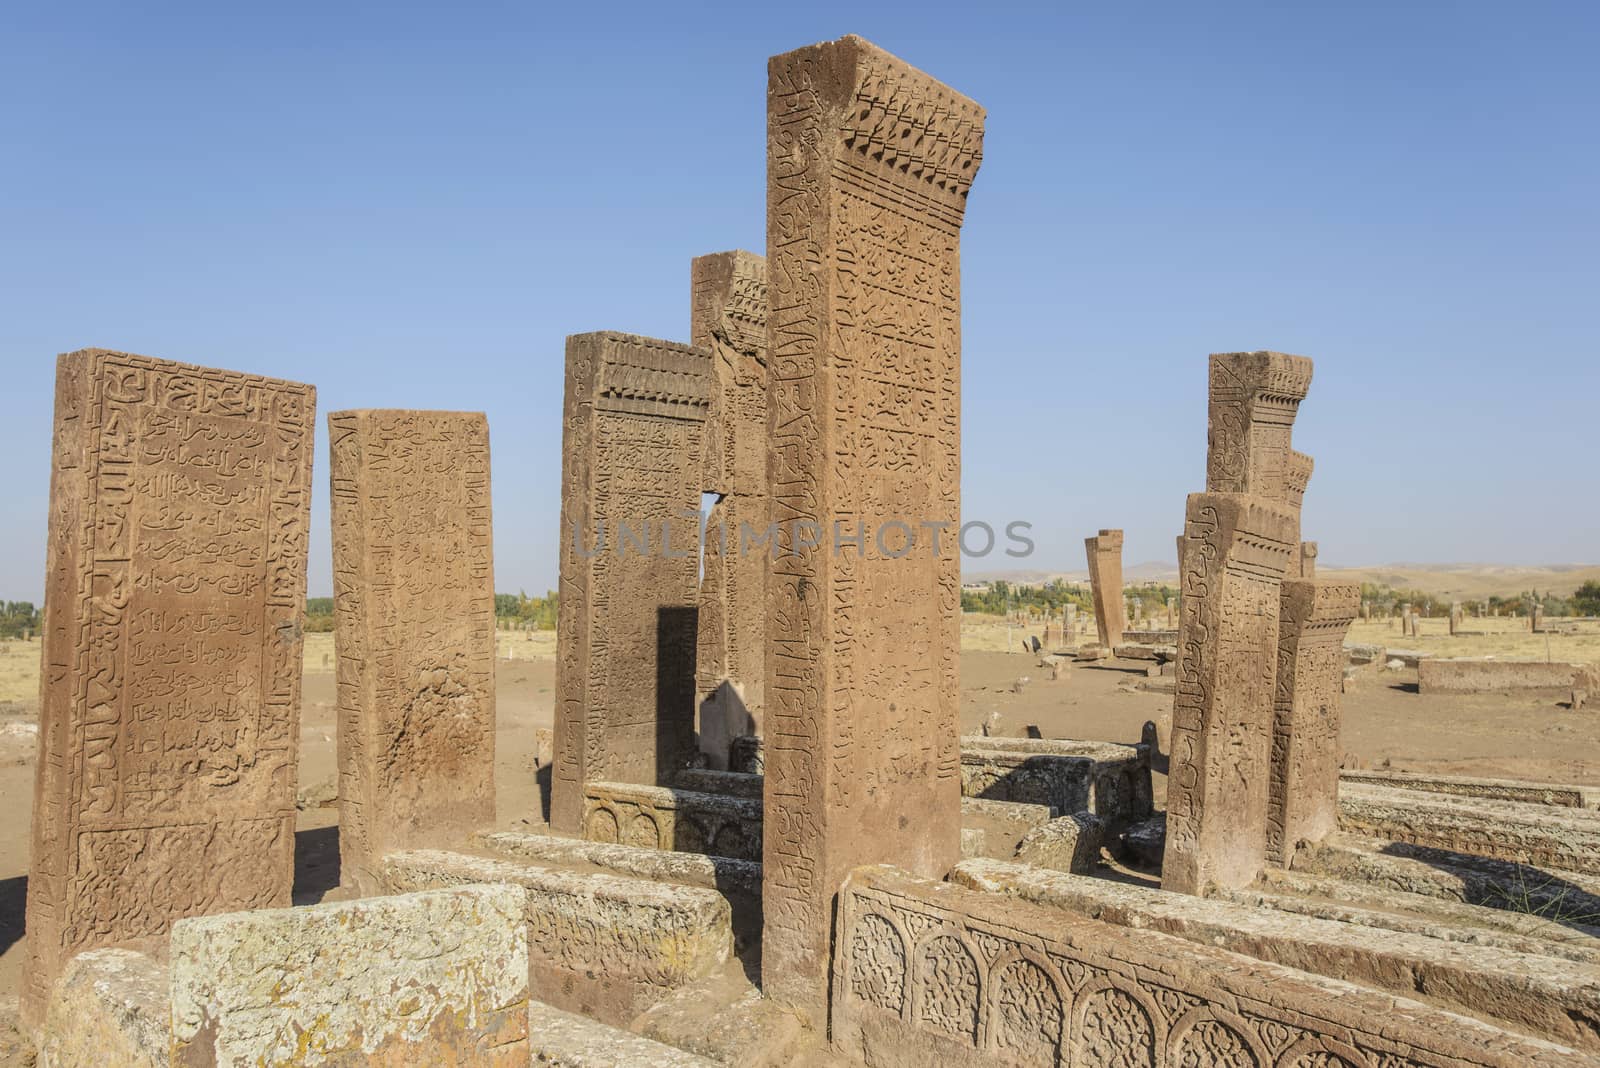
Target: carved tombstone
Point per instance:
(1105, 583)
(413, 574)
(633, 429)
(170, 691)
(729, 320)
(1456, 616)
(868, 167)
(1241, 538)
(1307, 713)
(1308, 560)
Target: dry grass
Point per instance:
(1470, 582)
(1504, 639)
(19, 670)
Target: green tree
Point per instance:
(1585, 599)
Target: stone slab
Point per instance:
(1435, 675)
(934, 973)
(414, 625)
(1542, 835)
(425, 978)
(171, 660)
(566, 1040)
(1069, 843)
(607, 946)
(661, 817)
(725, 874)
(711, 781)
(1554, 999)
(110, 1007)
(632, 471)
(864, 400)
(1564, 795)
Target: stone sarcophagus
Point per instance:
(930, 973)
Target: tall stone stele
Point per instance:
(1241, 537)
(413, 604)
(1104, 551)
(632, 441)
(868, 166)
(728, 319)
(169, 702)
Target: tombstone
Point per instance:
(869, 163)
(1241, 538)
(170, 696)
(1303, 797)
(1536, 617)
(1172, 612)
(1308, 561)
(633, 425)
(1456, 617)
(413, 603)
(1034, 644)
(1070, 624)
(1104, 551)
(728, 318)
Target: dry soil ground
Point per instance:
(1386, 721)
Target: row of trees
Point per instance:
(18, 618)
(1584, 601)
(510, 609)
(998, 597)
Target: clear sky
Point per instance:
(411, 205)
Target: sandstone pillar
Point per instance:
(170, 690)
(868, 166)
(1241, 539)
(1105, 583)
(728, 318)
(413, 605)
(633, 428)
(1303, 803)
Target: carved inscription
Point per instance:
(869, 164)
(414, 618)
(632, 445)
(171, 684)
(1303, 804)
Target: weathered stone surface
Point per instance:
(1537, 793)
(688, 869)
(932, 973)
(1558, 1000)
(746, 755)
(974, 842)
(1145, 842)
(710, 781)
(633, 432)
(868, 167)
(413, 574)
(565, 1040)
(607, 946)
(1069, 843)
(1435, 675)
(1503, 830)
(1394, 910)
(1104, 551)
(1236, 550)
(110, 1007)
(660, 817)
(1303, 796)
(429, 978)
(170, 689)
(1111, 781)
(1570, 898)
(728, 319)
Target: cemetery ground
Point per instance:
(1386, 724)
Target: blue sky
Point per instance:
(411, 206)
